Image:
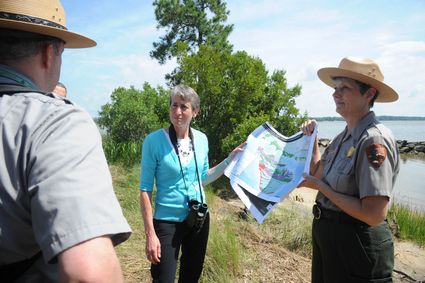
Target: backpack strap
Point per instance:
(10, 89)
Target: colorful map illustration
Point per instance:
(269, 168)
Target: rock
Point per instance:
(420, 148)
(404, 147)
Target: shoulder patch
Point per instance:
(376, 154)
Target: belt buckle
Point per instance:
(317, 212)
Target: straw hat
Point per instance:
(45, 17)
(361, 69)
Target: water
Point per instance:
(411, 131)
(410, 186)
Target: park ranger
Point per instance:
(59, 216)
(355, 178)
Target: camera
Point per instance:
(197, 214)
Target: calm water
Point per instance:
(402, 130)
(410, 185)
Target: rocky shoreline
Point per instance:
(404, 147)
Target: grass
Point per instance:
(411, 223)
(232, 240)
(125, 153)
(238, 247)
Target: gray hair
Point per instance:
(187, 94)
(16, 45)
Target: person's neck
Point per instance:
(182, 132)
(352, 122)
(31, 69)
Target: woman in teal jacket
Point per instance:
(176, 160)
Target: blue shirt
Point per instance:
(160, 164)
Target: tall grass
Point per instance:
(223, 257)
(411, 223)
(132, 252)
(125, 153)
(222, 262)
(292, 228)
(234, 241)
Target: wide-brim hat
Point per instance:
(46, 17)
(364, 70)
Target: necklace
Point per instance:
(185, 148)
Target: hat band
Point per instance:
(29, 19)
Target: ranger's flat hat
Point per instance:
(45, 17)
(361, 69)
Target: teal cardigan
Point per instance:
(160, 164)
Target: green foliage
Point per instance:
(128, 118)
(131, 114)
(223, 258)
(411, 223)
(126, 153)
(190, 23)
(237, 95)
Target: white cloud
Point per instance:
(297, 36)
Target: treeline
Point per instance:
(380, 118)
(237, 92)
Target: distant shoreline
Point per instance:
(404, 147)
(380, 118)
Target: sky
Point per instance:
(298, 37)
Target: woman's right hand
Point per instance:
(153, 248)
(308, 127)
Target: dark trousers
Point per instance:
(351, 252)
(173, 237)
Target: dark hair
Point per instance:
(362, 88)
(16, 45)
(61, 85)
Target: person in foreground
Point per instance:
(176, 158)
(355, 177)
(59, 216)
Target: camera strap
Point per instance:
(173, 137)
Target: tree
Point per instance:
(237, 95)
(190, 23)
(132, 113)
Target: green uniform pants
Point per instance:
(351, 252)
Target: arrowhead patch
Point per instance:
(376, 154)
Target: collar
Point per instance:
(9, 75)
(363, 124)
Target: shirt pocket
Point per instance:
(345, 176)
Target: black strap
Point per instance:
(173, 137)
(11, 89)
(10, 272)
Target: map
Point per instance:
(269, 168)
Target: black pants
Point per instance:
(351, 252)
(173, 237)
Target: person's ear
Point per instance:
(195, 113)
(370, 93)
(48, 55)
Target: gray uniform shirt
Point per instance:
(363, 163)
(55, 186)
